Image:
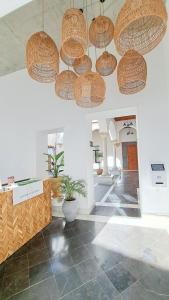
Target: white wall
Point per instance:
(28, 109)
(98, 141)
(124, 137)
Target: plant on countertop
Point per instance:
(56, 163)
(70, 188)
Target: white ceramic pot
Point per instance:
(70, 210)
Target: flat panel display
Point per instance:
(157, 167)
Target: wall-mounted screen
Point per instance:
(157, 167)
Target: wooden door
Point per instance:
(132, 157)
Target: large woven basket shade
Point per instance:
(42, 57)
(64, 85)
(66, 59)
(82, 64)
(140, 25)
(106, 64)
(89, 90)
(74, 33)
(101, 31)
(131, 73)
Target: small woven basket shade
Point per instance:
(89, 90)
(42, 57)
(101, 31)
(64, 85)
(131, 73)
(82, 65)
(66, 59)
(74, 33)
(106, 64)
(140, 25)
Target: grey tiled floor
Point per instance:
(121, 198)
(87, 260)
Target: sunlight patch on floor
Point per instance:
(145, 239)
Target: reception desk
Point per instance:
(22, 219)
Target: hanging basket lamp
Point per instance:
(64, 85)
(42, 57)
(89, 90)
(74, 33)
(140, 25)
(66, 59)
(106, 64)
(82, 65)
(101, 31)
(132, 73)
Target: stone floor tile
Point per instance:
(38, 256)
(14, 283)
(40, 272)
(68, 281)
(87, 270)
(120, 278)
(138, 292)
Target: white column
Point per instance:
(114, 156)
(105, 164)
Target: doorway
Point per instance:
(115, 166)
(130, 156)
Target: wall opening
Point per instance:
(115, 166)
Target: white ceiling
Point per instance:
(17, 27)
(7, 6)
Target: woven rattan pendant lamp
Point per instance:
(101, 31)
(82, 64)
(132, 73)
(66, 59)
(64, 85)
(42, 57)
(106, 64)
(89, 90)
(74, 33)
(140, 25)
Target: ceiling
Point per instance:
(19, 25)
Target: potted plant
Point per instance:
(55, 168)
(99, 171)
(70, 188)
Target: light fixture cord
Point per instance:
(103, 25)
(100, 8)
(95, 54)
(43, 16)
(87, 29)
(91, 4)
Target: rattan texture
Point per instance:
(89, 90)
(106, 64)
(74, 33)
(82, 65)
(64, 85)
(66, 59)
(132, 73)
(101, 31)
(140, 25)
(42, 57)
